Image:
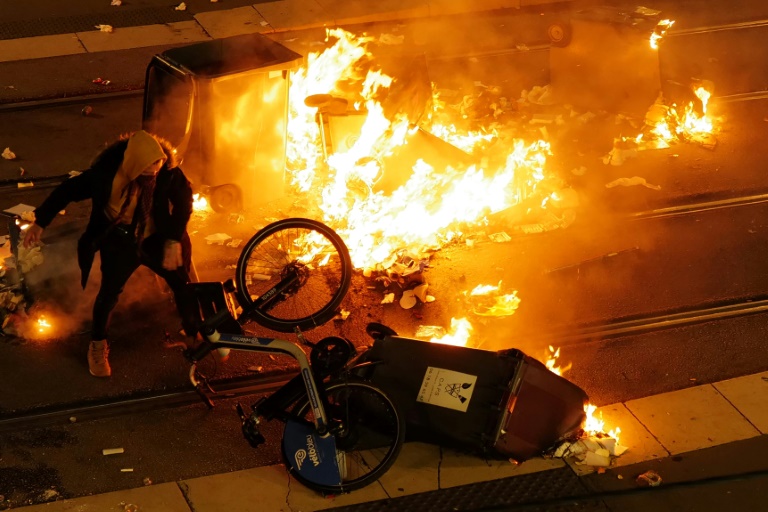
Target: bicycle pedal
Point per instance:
(251, 433)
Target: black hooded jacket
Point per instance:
(171, 204)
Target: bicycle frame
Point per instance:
(260, 344)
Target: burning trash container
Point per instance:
(224, 105)
(605, 58)
(503, 404)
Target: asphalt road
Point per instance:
(670, 264)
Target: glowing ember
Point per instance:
(659, 31)
(199, 203)
(43, 325)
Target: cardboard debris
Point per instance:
(8, 154)
(105, 28)
(181, 7)
(117, 2)
(388, 298)
(112, 451)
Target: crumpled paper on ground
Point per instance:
(634, 180)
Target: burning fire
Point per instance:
(433, 199)
(199, 203)
(493, 302)
(668, 124)
(43, 325)
(661, 28)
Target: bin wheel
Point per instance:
(559, 34)
(226, 198)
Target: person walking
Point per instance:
(141, 202)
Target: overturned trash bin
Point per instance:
(498, 404)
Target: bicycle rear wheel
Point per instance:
(296, 271)
(368, 429)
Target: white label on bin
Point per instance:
(447, 388)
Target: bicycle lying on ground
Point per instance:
(341, 432)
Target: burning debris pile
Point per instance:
(15, 262)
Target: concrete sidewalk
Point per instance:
(671, 426)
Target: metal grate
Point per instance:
(525, 491)
(85, 22)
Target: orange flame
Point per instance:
(433, 201)
(458, 335)
(199, 203)
(661, 29)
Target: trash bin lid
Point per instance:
(232, 55)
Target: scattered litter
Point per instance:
(117, 2)
(649, 479)
(112, 451)
(181, 7)
(263, 23)
(408, 300)
(130, 507)
(256, 369)
(101, 81)
(421, 292)
(72, 419)
(595, 451)
(105, 28)
(217, 238)
(579, 171)
(147, 480)
(234, 243)
(72, 174)
(8, 154)
(87, 110)
(231, 267)
(622, 151)
(388, 298)
(214, 1)
(538, 95)
(22, 171)
(126, 470)
(522, 47)
(628, 182)
(501, 236)
(25, 185)
(391, 39)
(236, 218)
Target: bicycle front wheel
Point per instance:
(368, 429)
(296, 273)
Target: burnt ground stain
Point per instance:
(26, 485)
(20, 486)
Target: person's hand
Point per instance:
(32, 235)
(172, 255)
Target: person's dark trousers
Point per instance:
(120, 259)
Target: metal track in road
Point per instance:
(232, 389)
(63, 415)
(648, 324)
(687, 209)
